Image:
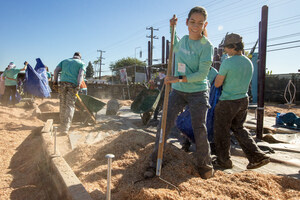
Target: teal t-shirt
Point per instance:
(11, 73)
(193, 59)
(238, 70)
(70, 69)
(48, 75)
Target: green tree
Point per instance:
(90, 70)
(126, 62)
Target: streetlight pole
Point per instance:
(135, 51)
(135, 61)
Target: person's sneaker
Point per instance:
(226, 165)
(206, 174)
(186, 145)
(150, 172)
(265, 160)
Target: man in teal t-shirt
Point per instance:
(72, 71)
(10, 76)
(231, 110)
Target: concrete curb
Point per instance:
(62, 177)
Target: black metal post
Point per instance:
(217, 61)
(167, 51)
(163, 49)
(262, 71)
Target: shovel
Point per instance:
(165, 107)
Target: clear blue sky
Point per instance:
(53, 30)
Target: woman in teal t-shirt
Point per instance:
(193, 58)
(11, 75)
(231, 110)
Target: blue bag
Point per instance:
(183, 121)
(36, 81)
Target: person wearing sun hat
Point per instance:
(235, 75)
(10, 76)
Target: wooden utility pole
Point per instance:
(151, 42)
(100, 59)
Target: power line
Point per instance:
(284, 43)
(277, 38)
(272, 25)
(285, 36)
(278, 44)
(284, 48)
(212, 3)
(240, 10)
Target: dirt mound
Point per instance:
(20, 151)
(132, 150)
(272, 109)
(49, 106)
(125, 102)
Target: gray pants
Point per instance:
(67, 96)
(198, 103)
(231, 114)
(10, 91)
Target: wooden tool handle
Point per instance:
(84, 106)
(165, 106)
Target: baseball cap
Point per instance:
(11, 65)
(77, 55)
(232, 38)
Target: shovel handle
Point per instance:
(165, 106)
(84, 106)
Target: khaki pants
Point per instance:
(67, 96)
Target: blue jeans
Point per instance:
(198, 103)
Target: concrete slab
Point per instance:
(73, 137)
(62, 177)
(100, 136)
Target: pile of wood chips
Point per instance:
(20, 150)
(132, 150)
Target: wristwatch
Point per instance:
(180, 78)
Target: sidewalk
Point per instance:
(286, 145)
